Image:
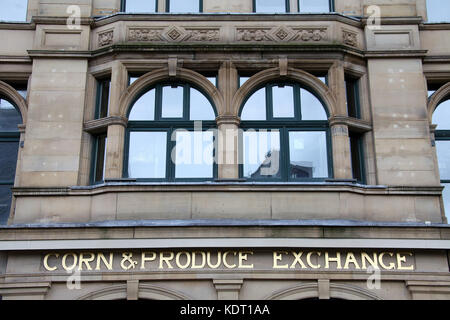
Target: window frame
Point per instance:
(169, 125)
(123, 7)
(356, 96)
(99, 98)
(286, 5)
(95, 158)
(284, 126)
(359, 137)
(331, 7)
(200, 8)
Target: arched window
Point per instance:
(166, 140)
(10, 118)
(441, 117)
(285, 135)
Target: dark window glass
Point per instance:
(14, 10)
(314, 6)
(270, 6)
(357, 156)
(351, 86)
(438, 11)
(140, 6)
(8, 160)
(5, 203)
(103, 93)
(10, 118)
(261, 154)
(183, 6)
(100, 147)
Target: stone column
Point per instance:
(342, 162)
(228, 147)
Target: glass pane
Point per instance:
(147, 155)
(144, 107)
(194, 154)
(213, 80)
(438, 10)
(242, 80)
(5, 203)
(323, 79)
(14, 10)
(201, 108)
(446, 197)
(184, 6)
(314, 6)
(132, 80)
(101, 158)
(441, 116)
(443, 154)
(137, 6)
(283, 102)
(270, 6)
(308, 154)
(255, 107)
(351, 98)
(9, 116)
(172, 102)
(431, 92)
(261, 150)
(105, 91)
(312, 108)
(8, 160)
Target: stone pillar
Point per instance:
(336, 82)
(228, 289)
(228, 85)
(228, 147)
(342, 162)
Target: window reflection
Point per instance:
(194, 154)
(308, 155)
(184, 6)
(312, 108)
(270, 6)
(144, 107)
(446, 197)
(283, 102)
(200, 106)
(14, 10)
(443, 154)
(261, 154)
(438, 11)
(314, 6)
(140, 6)
(147, 155)
(172, 102)
(10, 118)
(441, 116)
(255, 107)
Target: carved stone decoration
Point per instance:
(310, 34)
(350, 38)
(144, 34)
(202, 35)
(105, 38)
(175, 34)
(253, 34)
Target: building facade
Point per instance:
(204, 149)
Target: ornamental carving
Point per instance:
(173, 34)
(105, 38)
(253, 34)
(310, 34)
(350, 38)
(281, 34)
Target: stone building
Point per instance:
(238, 149)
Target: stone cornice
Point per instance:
(228, 119)
(100, 125)
(59, 20)
(383, 54)
(352, 123)
(395, 21)
(434, 26)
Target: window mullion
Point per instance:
(170, 165)
(186, 101)
(269, 103)
(284, 146)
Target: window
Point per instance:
(98, 167)
(441, 118)
(285, 135)
(315, 6)
(271, 6)
(14, 10)
(163, 142)
(10, 118)
(102, 103)
(184, 6)
(438, 11)
(140, 6)
(357, 156)
(352, 97)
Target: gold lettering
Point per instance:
(337, 260)
(188, 259)
(278, 256)
(225, 263)
(219, 260)
(380, 259)
(297, 259)
(86, 261)
(401, 258)
(194, 255)
(351, 259)
(108, 264)
(144, 258)
(46, 266)
(373, 262)
(165, 259)
(243, 257)
(308, 260)
(64, 259)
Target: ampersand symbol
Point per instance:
(127, 259)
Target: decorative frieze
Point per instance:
(174, 34)
(145, 34)
(350, 38)
(105, 38)
(282, 34)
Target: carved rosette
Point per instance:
(105, 38)
(173, 34)
(350, 38)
